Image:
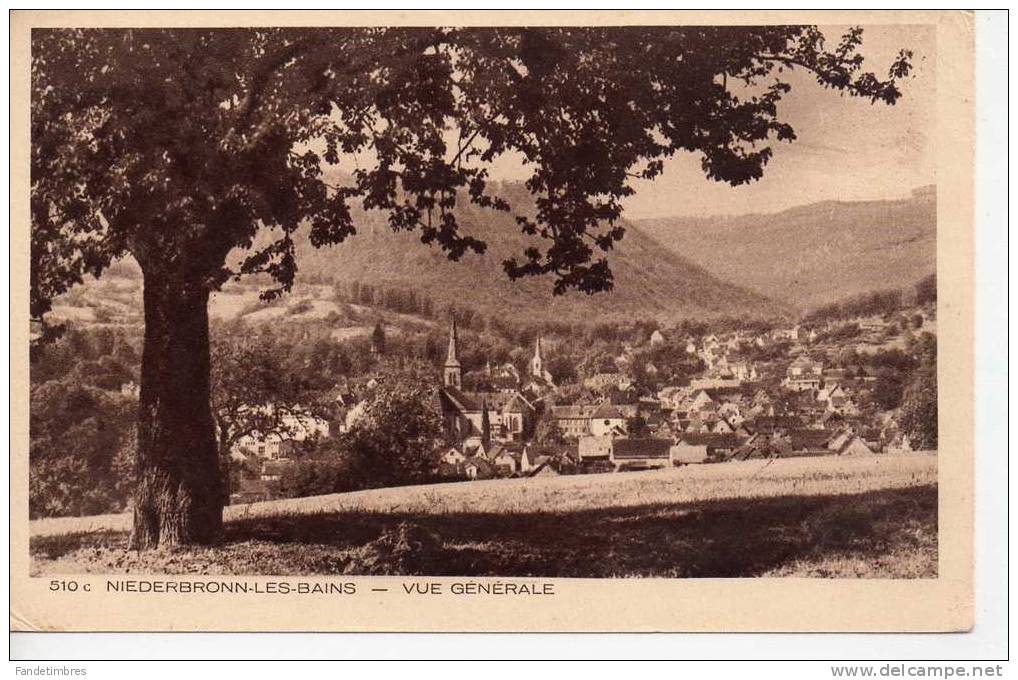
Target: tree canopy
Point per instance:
(919, 410)
(181, 144)
(394, 438)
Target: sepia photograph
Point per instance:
(501, 303)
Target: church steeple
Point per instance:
(537, 363)
(452, 369)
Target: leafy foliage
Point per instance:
(879, 302)
(318, 476)
(181, 143)
(254, 392)
(82, 429)
(926, 290)
(80, 457)
(378, 338)
(547, 430)
(887, 391)
(394, 440)
(919, 410)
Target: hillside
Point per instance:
(872, 516)
(813, 254)
(650, 281)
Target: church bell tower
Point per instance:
(537, 362)
(452, 370)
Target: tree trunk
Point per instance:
(178, 495)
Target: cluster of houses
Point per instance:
(288, 431)
(497, 460)
(734, 409)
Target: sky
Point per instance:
(847, 149)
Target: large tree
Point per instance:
(180, 147)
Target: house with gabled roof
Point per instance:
(828, 420)
(544, 469)
(803, 374)
(573, 420)
(478, 468)
(595, 448)
(505, 462)
(808, 442)
(453, 456)
(830, 390)
(854, 446)
(605, 419)
(701, 400)
(672, 397)
(843, 405)
(731, 411)
(744, 370)
(776, 424)
(532, 458)
(705, 447)
(649, 452)
(475, 448)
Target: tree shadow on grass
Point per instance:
(731, 538)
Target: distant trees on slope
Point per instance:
(877, 303)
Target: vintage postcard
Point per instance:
(491, 321)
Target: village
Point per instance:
(798, 390)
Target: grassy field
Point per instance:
(855, 517)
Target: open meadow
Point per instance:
(872, 516)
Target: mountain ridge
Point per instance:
(759, 265)
(650, 280)
(813, 254)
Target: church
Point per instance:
(471, 418)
